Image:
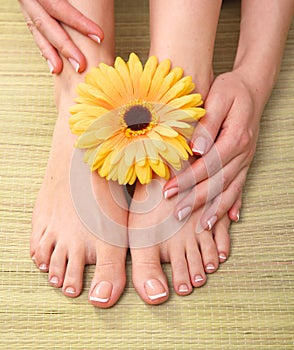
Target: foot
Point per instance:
(155, 236)
(61, 243)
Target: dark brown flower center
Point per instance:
(137, 117)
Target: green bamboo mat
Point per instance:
(247, 304)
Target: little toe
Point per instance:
(180, 272)
(195, 265)
(148, 277)
(222, 238)
(208, 250)
(110, 276)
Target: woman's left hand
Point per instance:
(225, 138)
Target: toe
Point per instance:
(222, 238)
(57, 266)
(209, 251)
(195, 264)
(180, 272)
(148, 277)
(42, 254)
(110, 276)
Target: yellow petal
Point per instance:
(130, 153)
(124, 73)
(158, 167)
(136, 69)
(187, 101)
(165, 130)
(151, 151)
(147, 76)
(178, 90)
(159, 75)
(171, 79)
(140, 153)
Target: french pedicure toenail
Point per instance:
(102, 292)
(222, 256)
(183, 288)
(50, 65)
(70, 290)
(54, 280)
(155, 289)
(211, 222)
(75, 64)
(170, 192)
(95, 38)
(198, 278)
(183, 213)
(33, 258)
(43, 267)
(238, 217)
(210, 267)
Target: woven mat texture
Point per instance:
(247, 304)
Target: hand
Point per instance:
(44, 20)
(225, 138)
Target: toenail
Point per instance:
(238, 217)
(184, 213)
(210, 267)
(222, 256)
(33, 258)
(183, 288)
(70, 290)
(155, 289)
(102, 292)
(198, 278)
(54, 280)
(43, 267)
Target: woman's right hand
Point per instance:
(45, 18)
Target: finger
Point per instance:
(217, 108)
(234, 212)
(207, 190)
(222, 203)
(47, 50)
(55, 34)
(69, 15)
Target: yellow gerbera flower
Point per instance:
(135, 120)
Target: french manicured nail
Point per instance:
(95, 38)
(222, 256)
(50, 65)
(210, 267)
(198, 278)
(54, 280)
(102, 292)
(43, 267)
(183, 288)
(211, 222)
(238, 217)
(33, 258)
(170, 192)
(183, 213)
(70, 290)
(155, 289)
(199, 145)
(75, 64)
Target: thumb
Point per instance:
(217, 107)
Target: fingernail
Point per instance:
(75, 64)
(171, 192)
(54, 280)
(183, 288)
(222, 256)
(198, 278)
(155, 289)
(50, 65)
(184, 213)
(102, 292)
(199, 145)
(210, 267)
(211, 222)
(95, 38)
(238, 217)
(70, 290)
(43, 267)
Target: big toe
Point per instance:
(110, 276)
(148, 277)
